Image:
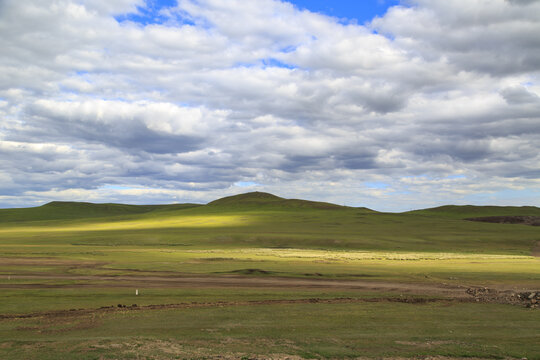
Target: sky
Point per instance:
(392, 105)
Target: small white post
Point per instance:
(136, 292)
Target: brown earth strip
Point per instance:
(523, 220)
(134, 307)
(483, 295)
(236, 281)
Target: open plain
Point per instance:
(255, 276)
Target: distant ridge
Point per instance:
(261, 199)
(469, 211)
(251, 201)
(65, 210)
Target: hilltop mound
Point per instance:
(247, 198)
(266, 200)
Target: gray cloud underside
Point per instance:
(434, 97)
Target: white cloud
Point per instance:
(262, 92)
(495, 37)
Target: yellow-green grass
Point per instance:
(211, 227)
(473, 269)
(163, 222)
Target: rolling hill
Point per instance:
(58, 210)
(64, 210)
(264, 220)
(470, 211)
(263, 200)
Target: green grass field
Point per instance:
(233, 257)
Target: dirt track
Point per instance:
(473, 295)
(416, 293)
(236, 281)
(76, 312)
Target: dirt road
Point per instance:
(414, 293)
(228, 281)
(120, 307)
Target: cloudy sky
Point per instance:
(393, 105)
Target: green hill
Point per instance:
(258, 219)
(471, 211)
(262, 200)
(251, 198)
(60, 210)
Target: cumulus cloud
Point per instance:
(519, 95)
(496, 38)
(151, 127)
(435, 97)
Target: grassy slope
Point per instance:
(469, 211)
(258, 200)
(263, 232)
(263, 220)
(312, 331)
(64, 210)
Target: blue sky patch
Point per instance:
(454, 177)
(117, 187)
(148, 14)
(376, 185)
(246, 184)
(271, 62)
(351, 11)
(359, 11)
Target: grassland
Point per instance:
(349, 282)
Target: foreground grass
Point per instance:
(372, 330)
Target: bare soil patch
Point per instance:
(173, 348)
(530, 299)
(523, 220)
(57, 325)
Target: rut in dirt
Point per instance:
(135, 307)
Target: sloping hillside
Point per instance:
(471, 211)
(58, 210)
(263, 220)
